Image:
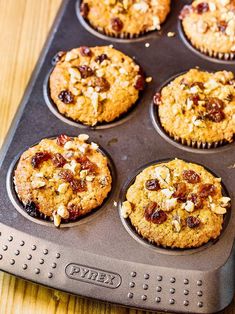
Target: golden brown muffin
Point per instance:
(126, 18)
(210, 26)
(199, 107)
(176, 204)
(95, 85)
(62, 179)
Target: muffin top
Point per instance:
(176, 204)
(210, 24)
(94, 85)
(62, 178)
(199, 106)
(128, 17)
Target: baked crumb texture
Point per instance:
(95, 85)
(210, 26)
(128, 18)
(62, 179)
(198, 108)
(176, 204)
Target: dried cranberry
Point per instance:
(62, 139)
(196, 199)
(78, 185)
(66, 175)
(85, 71)
(101, 58)
(85, 51)
(193, 222)
(187, 9)
(191, 176)
(195, 99)
(139, 83)
(84, 9)
(157, 99)
(202, 8)
(180, 192)
(116, 24)
(152, 185)
(86, 164)
(206, 189)
(58, 57)
(214, 103)
(32, 209)
(38, 158)
(149, 210)
(66, 97)
(158, 217)
(58, 160)
(101, 83)
(74, 211)
(215, 115)
(222, 25)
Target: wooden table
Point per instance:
(24, 26)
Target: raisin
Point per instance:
(139, 83)
(199, 84)
(180, 192)
(195, 99)
(193, 222)
(85, 51)
(191, 176)
(85, 71)
(214, 103)
(74, 211)
(78, 185)
(196, 199)
(101, 58)
(101, 83)
(152, 185)
(32, 210)
(157, 99)
(206, 189)
(58, 160)
(187, 9)
(215, 115)
(202, 8)
(222, 26)
(84, 9)
(86, 164)
(66, 175)
(38, 158)
(62, 139)
(58, 57)
(66, 97)
(149, 210)
(116, 24)
(158, 217)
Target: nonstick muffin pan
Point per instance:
(96, 256)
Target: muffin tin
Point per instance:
(96, 256)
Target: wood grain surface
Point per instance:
(24, 27)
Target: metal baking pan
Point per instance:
(101, 256)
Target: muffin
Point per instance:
(125, 18)
(176, 204)
(210, 27)
(198, 108)
(95, 85)
(62, 179)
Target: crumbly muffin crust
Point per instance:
(127, 18)
(62, 178)
(210, 26)
(199, 106)
(96, 84)
(176, 204)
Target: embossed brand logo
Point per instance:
(93, 275)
